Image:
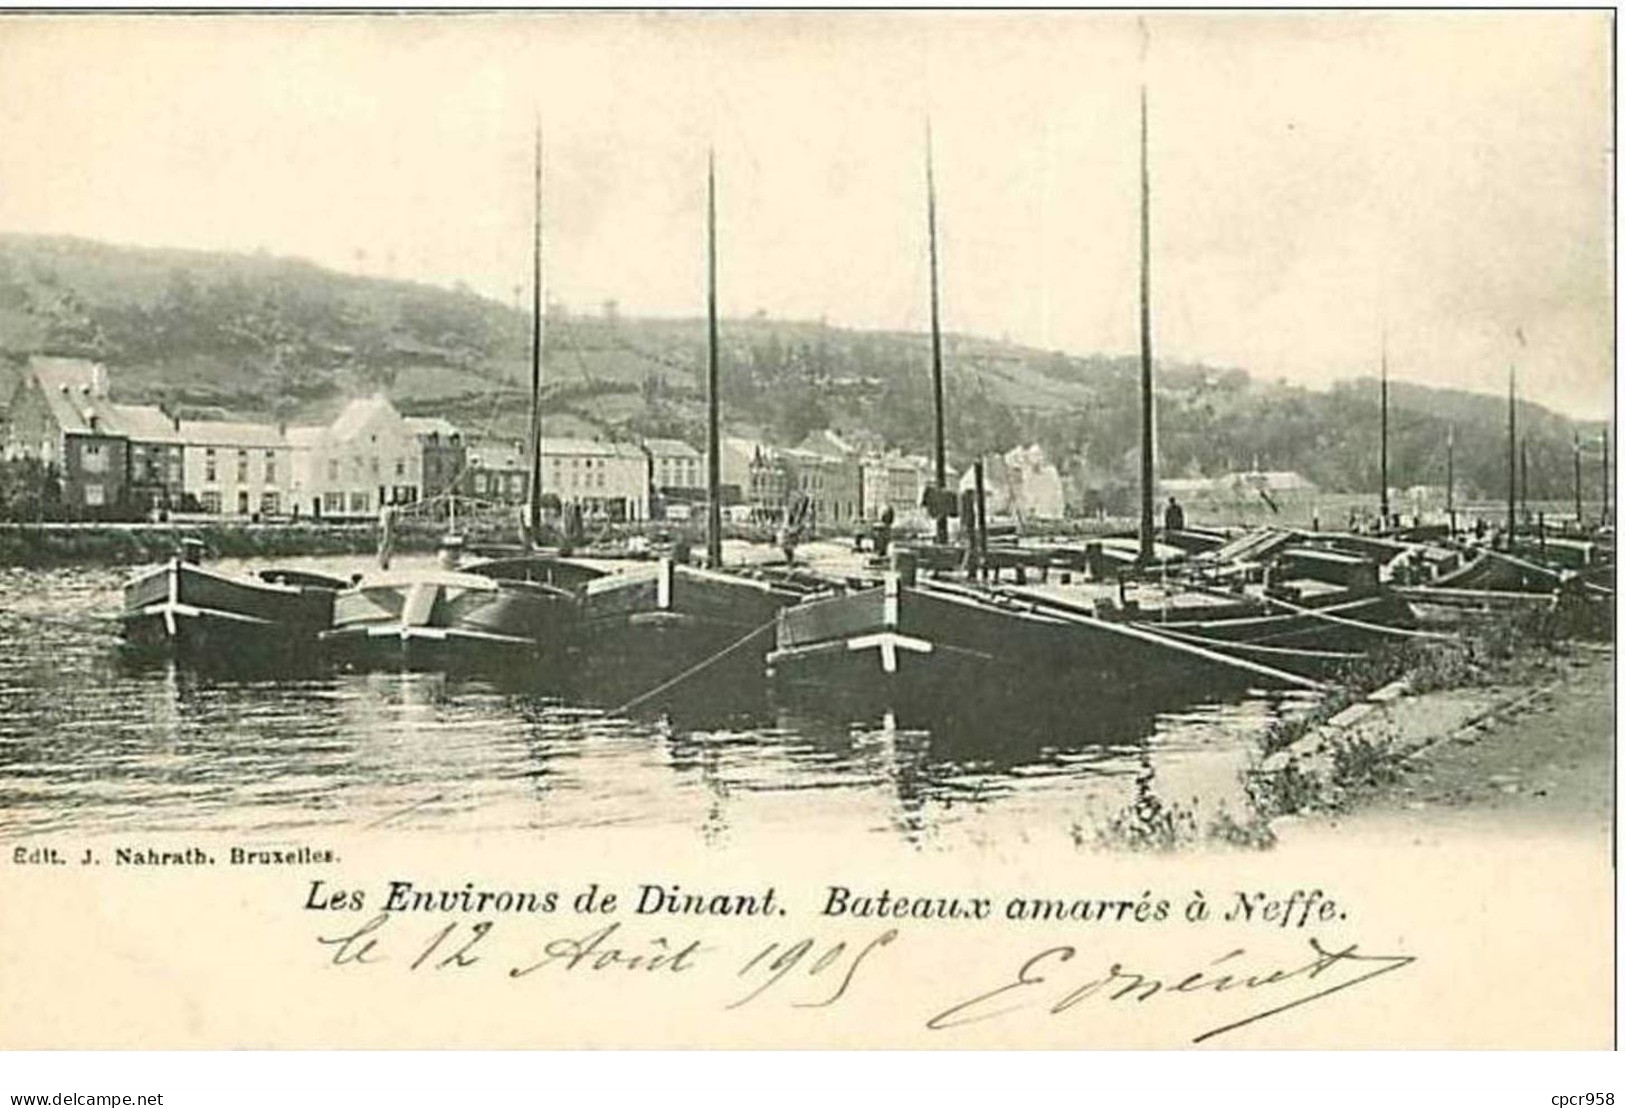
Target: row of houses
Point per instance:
(116, 460)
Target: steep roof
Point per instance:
(828, 443)
(588, 448)
(358, 413)
(305, 435)
(144, 423)
(75, 393)
(670, 448)
(77, 373)
(750, 448)
(218, 432)
(431, 425)
(496, 453)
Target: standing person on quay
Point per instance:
(1173, 517)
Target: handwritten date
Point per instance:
(806, 972)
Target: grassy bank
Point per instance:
(1360, 742)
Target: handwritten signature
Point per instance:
(1041, 981)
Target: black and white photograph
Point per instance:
(673, 528)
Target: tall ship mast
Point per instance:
(1147, 397)
(533, 498)
(941, 451)
(713, 448)
(670, 633)
(1512, 454)
(1382, 475)
(505, 614)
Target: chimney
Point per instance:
(98, 379)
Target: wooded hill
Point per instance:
(254, 335)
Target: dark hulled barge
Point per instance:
(205, 615)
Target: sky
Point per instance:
(1322, 184)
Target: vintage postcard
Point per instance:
(951, 530)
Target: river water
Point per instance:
(88, 743)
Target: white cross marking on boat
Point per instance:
(889, 612)
(888, 643)
(663, 585)
(174, 596)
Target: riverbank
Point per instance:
(1536, 758)
(1509, 728)
(1531, 755)
(42, 546)
(48, 545)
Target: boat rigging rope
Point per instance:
(667, 686)
(1021, 600)
(1344, 621)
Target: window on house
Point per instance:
(333, 502)
(93, 458)
(210, 470)
(372, 465)
(270, 504)
(270, 467)
(242, 467)
(211, 501)
(360, 503)
(333, 469)
(400, 467)
(95, 496)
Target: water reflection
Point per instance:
(90, 740)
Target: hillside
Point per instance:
(259, 335)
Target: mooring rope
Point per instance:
(666, 686)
